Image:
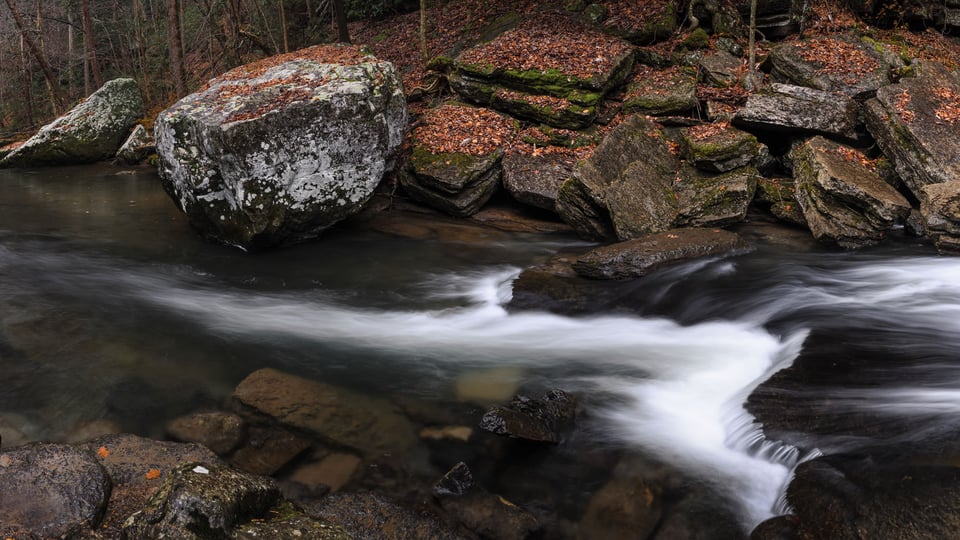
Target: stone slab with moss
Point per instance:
(677, 94)
(723, 150)
(458, 184)
(789, 108)
(711, 200)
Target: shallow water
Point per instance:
(110, 308)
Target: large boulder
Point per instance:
(842, 199)
(91, 131)
(50, 491)
(279, 150)
(624, 189)
(940, 209)
(784, 107)
(916, 123)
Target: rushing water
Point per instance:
(111, 309)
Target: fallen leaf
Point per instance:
(103, 452)
(153, 474)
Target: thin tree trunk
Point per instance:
(423, 31)
(43, 50)
(38, 55)
(752, 82)
(340, 13)
(89, 50)
(176, 49)
(283, 27)
(27, 83)
(71, 50)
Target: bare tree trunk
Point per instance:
(752, 82)
(141, 55)
(89, 50)
(283, 28)
(27, 83)
(423, 31)
(176, 49)
(55, 90)
(340, 13)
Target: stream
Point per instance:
(111, 309)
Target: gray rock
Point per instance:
(782, 107)
(50, 491)
(272, 154)
(541, 420)
(720, 68)
(199, 501)
(91, 131)
(368, 516)
(219, 431)
(623, 190)
(719, 150)
(940, 209)
(911, 121)
(867, 69)
(638, 257)
(485, 513)
(661, 92)
(455, 183)
(369, 425)
(138, 146)
(842, 200)
(536, 180)
(710, 200)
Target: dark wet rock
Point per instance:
(284, 153)
(638, 257)
(456, 183)
(487, 514)
(368, 516)
(940, 210)
(846, 497)
(905, 120)
(550, 96)
(219, 431)
(50, 491)
(777, 528)
(780, 194)
(91, 131)
(720, 68)
(714, 200)
(293, 528)
(200, 501)
(555, 286)
(698, 516)
(536, 180)
(367, 424)
(626, 507)
(267, 449)
(138, 146)
(668, 92)
(719, 148)
(843, 201)
(542, 420)
(623, 190)
(520, 219)
(783, 107)
(868, 65)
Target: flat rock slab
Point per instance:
(367, 424)
(660, 92)
(784, 107)
(536, 179)
(50, 491)
(853, 66)
(714, 200)
(641, 256)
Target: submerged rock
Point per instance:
(267, 449)
(842, 200)
(487, 514)
(280, 150)
(638, 257)
(50, 491)
(368, 516)
(626, 507)
(138, 146)
(91, 131)
(783, 107)
(542, 420)
(219, 431)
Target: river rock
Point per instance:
(940, 209)
(714, 200)
(626, 507)
(137, 147)
(536, 179)
(856, 68)
(847, 497)
(719, 147)
(843, 201)
(485, 513)
(368, 516)
(555, 286)
(50, 491)
(776, 528)
(783, 107)
(279, 150)
(91, 131)
(369, 425)
(219, 431)
(200, 500)
(916, 123)
(267, 449)
(638, 257)
(541, 420)
(663, 92)
(564, 96)
(331, 472)
(624, 189)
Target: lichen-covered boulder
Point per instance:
(624, 189)
(916, 123)
(940, 209)
(277, 151)
(91, 131)
(843, 201)
(784, 107)
(138, 146)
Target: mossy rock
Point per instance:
(554, 111)
(698, 39)
(720, 152)
(677, 95)
(710, 200)
(455, 183)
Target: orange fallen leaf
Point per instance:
(153, 474)
(103, 452)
